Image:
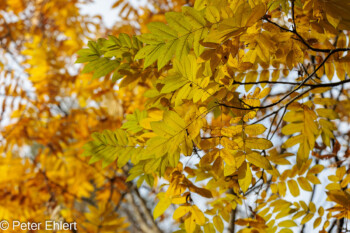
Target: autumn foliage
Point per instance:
(187, 116)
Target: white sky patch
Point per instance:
(103, 8)
(110, 15)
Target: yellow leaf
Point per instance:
(282, 188)
(285, 230)
(244, 176)
(304, 168)
(275, 75)
(340, 68)
(293, 188)
(337, 13)
(327, 113)
(212, 14)
(190, 224)
(181, 211)
(209, 228)
(290, 60)
(198, 215)
(340, 197)
(294, 116)
(273, 188)
(329, 70)
(317, 222)
(264, 76)
(304, 184)
(264, 92)
(258, 143)
(232, 130)
(256, 14)
(333, 186)
(320, 211)
(227, 156)
(287, 223)
(316, 169)
(258, 160)
(292, 128)
(298, 215)
(251, 77)
(325, 101)
(345, 181)
(179, 200)
(340, 172)
(312, 207)
(307, 218)
(313, 179)
(229, 170)
(161, 207)
(254, 130)
(218, 223)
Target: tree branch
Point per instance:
(294, 90)
(232, 223)
(137, 215)
(302, 40)
(147, 213)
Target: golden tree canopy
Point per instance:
(204, 116)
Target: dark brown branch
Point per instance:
(333, 225)
(279, 122)
(293, 17)
(120, 201)
(293, 83)
(267, 116)
(284, 106)
(232, 225)
(302, 84)
(302, 40)
(270, 128)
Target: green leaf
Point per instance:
(94, 65)
(87, 59)
(153, 56)
(194, 17)
(150, 39)
(133, 121)
(107, 146)
(105, 69)
(177, 21)
(145, 51)
(166, 53)
(162, 31)
(199, 35)
(212, 14)
(173, 83)
(125, 40)
(183, 47)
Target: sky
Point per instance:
(102, 7)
